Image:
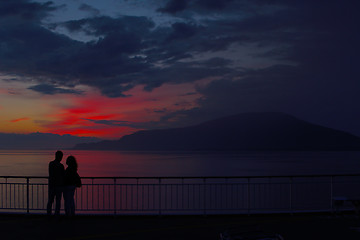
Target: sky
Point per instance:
(112, 67)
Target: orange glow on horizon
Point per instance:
(90, 114)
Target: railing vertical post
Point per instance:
(6, 188)
(137, 194)
(182, 193)
(331, 193)
(92, 193)
(226, 193)
(248, 194)
(159, 196)
(115, 196)
(27, 195)
(204, 196)
(290, 195)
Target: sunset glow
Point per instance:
(109, 68)
(91, 114)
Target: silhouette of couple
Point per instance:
(64, 182)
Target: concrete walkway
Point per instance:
(309, 226)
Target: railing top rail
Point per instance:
(198, 177)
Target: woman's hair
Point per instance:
(71, 162)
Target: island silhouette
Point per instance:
(246, 131)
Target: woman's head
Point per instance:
(71, 162)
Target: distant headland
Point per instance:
(41, 141)
(246, 131)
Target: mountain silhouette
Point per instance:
(247, 131)
(41, 141)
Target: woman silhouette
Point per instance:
(71, 181)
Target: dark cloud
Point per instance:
(25, 10)
(51, 90)
(134, 125)
(128, 53)
(182, 31)
(109, 122)
(90, 9)
(320, 44)
(181, 73)
(167, 119)
(213, 4)
(217, 62)
(117, 91)
(27, 49)
(30, 49)
(103, 25)
(164, 110)
(174, 6)
(188, 94)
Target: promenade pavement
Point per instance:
(296, 227)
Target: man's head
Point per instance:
(59, 155)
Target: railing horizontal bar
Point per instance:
(202, 177)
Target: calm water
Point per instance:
(112, 163)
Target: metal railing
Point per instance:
(186, 195)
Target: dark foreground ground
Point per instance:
(306, 226)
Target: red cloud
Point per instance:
(82, 110)
(74, 118)
(102, 117)
(19, 119)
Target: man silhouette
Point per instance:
(56, 182)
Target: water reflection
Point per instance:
(142, 164)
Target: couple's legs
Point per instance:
(55, 192)
(69, 200)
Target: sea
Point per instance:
(183, 164)
(195, 187)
